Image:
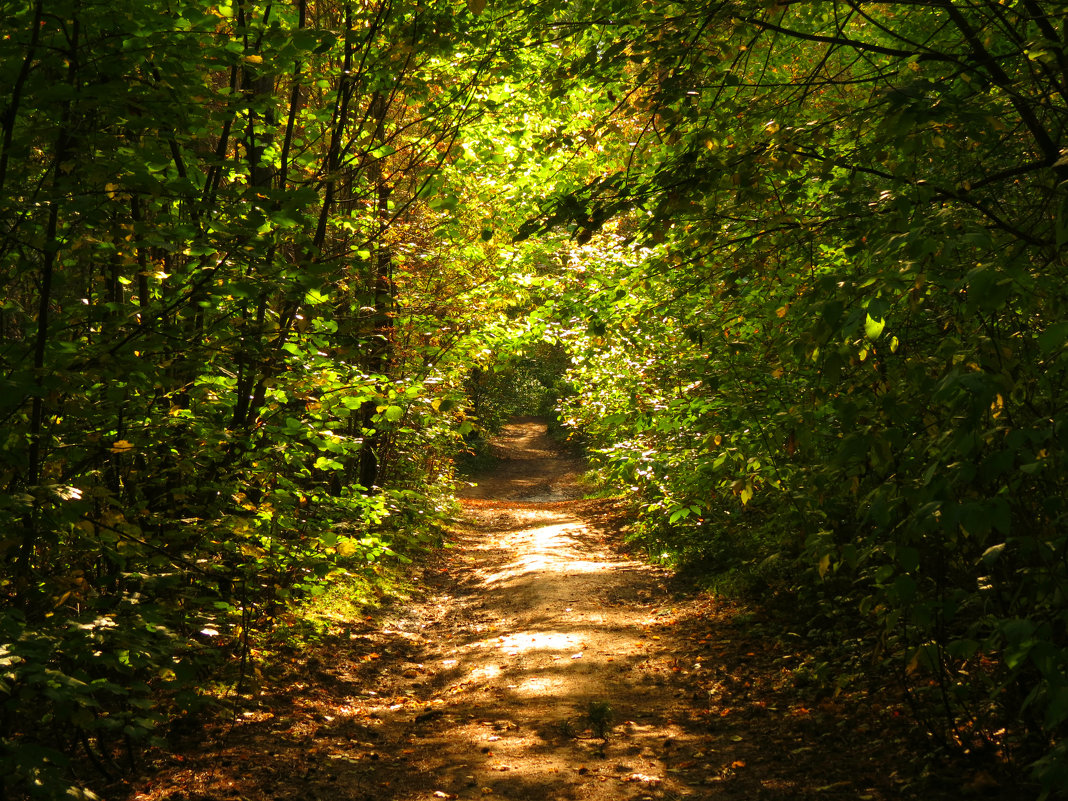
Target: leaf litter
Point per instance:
(543, 660)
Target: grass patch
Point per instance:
(593, 486)
(350, 598)
(355, 595)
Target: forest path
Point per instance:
(537, 634)
(537, 619)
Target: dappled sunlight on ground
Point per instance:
(543, 664)
(550, 641)
(548, 548)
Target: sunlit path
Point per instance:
(544, 663)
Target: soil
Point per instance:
(545, 661)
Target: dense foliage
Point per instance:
(265, 262)
(839, 363)
(228, 338)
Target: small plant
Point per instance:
(600, 715)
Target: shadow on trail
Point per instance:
(543, 663)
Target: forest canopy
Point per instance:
(795, 272)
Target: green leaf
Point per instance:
(1053, 339)
(679, 514)
(991, 554)
(873, 328)
(1057, 710)
(904, 589)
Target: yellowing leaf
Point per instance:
(997, 406)
(121, 446)
(825, 564)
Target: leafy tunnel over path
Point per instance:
(792, 271)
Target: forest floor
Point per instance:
(540, 659)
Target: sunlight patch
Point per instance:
(528, 641)
(484, 672)
(539, 686)
(546, 549)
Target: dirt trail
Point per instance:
(543, 663)
(552, 679)
(537, 678)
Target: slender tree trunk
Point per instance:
(382, 322)
(52, 246)
(7, 120)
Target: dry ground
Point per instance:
(545, 662)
